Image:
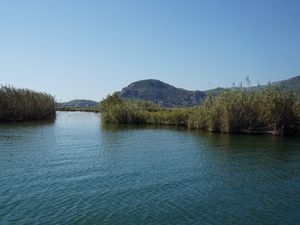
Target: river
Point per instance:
(77, 171)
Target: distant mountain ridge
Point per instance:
(162, 94)
(77, 103)
(169, 96)
(292, 84)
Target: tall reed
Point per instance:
(113, 109)
(271, 110)
(24, 104)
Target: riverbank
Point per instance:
(78, 109)
(270, 111)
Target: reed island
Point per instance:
(25, 105)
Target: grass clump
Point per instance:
(25, 105)
(238, 111)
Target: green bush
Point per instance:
(24, 104)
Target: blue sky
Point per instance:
(88, 49)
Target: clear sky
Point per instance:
(88, 49)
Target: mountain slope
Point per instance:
(215, 91)
(162, 94)
(169, 96)
(292, 84)
(78, 103)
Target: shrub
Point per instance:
(24, 104)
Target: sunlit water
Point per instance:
(77, 171)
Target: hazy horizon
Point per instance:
(86, 50)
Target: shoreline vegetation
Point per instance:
(25, 105)
(271, 111)
(94, 109)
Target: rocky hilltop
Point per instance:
(162, 94)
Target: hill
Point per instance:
(215, 91)
(162, 94)
(77, 103)
(290, 84)
(167, 95)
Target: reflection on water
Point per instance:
(79, 171)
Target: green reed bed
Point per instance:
(269, 111)
(25, 105)
(113, 109)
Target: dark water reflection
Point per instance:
(78, 171)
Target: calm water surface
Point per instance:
(76, 171)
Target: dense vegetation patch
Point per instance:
(24, 104)
(117, 110)
(78, 109)
(270, 110)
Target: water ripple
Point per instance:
(76, 172)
